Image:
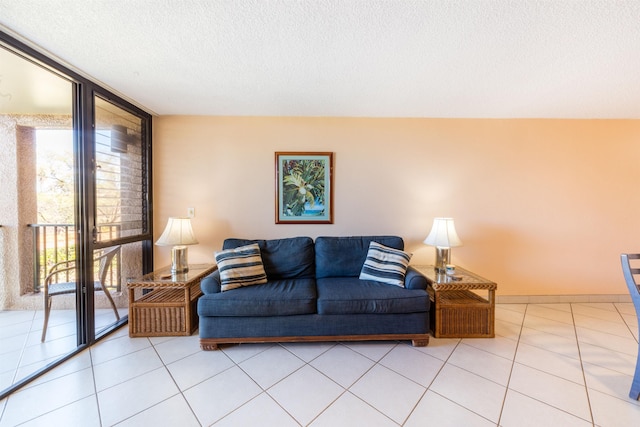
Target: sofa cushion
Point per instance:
(283, 258)
(276, 298)
(385, 265)
(350, 295)
(344, 256)
(241, 266)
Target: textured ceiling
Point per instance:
(369, 58)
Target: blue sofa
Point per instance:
(313, 293)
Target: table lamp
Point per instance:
(178, 234)
(443, 236)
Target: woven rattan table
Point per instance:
(458, 311)
(162, 304)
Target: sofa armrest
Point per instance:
(211, 283)
(414, 279)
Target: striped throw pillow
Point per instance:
(241, 266)
(385, 264)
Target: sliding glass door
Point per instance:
(38, 316)
(74, 214)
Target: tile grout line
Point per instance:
(15, 372)
(25, 345)
(164, 366)
(23, 350)
(575, 315)
(180, 391)
(552, 374)
(584, 376)
(627, 324)
(345, 389)
(428, 388)
(95, 388)
(60, 407)
(377, 363)
(546, 349)
(513, 363)
(266, 390)
(472, 373)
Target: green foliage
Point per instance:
(55, 180)
(302, 182)
(51, 255)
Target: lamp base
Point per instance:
(443, 257)
(179, 262)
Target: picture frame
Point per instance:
(304, 187)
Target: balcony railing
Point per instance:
(55, 243)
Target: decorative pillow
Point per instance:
(241, 266)
(385, 264)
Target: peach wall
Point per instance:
(544, 207)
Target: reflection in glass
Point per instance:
(37, 211)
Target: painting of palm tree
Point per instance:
(303, 188)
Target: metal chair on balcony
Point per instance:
(53, 288)
(630, 277)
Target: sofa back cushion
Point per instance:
(290, 258)
(344, 256)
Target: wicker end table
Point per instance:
(162, 304)
(458, 310)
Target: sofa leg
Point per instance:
(209, 347)
(420, 343)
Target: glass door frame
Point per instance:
(83, 92)
(90, 211)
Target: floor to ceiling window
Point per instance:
(74, 214)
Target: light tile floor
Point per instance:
(22, 353)
(549, 365)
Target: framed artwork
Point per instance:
(304, 188)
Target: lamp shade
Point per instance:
(443, 234)
(177, 232)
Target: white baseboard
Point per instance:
(554, 299)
